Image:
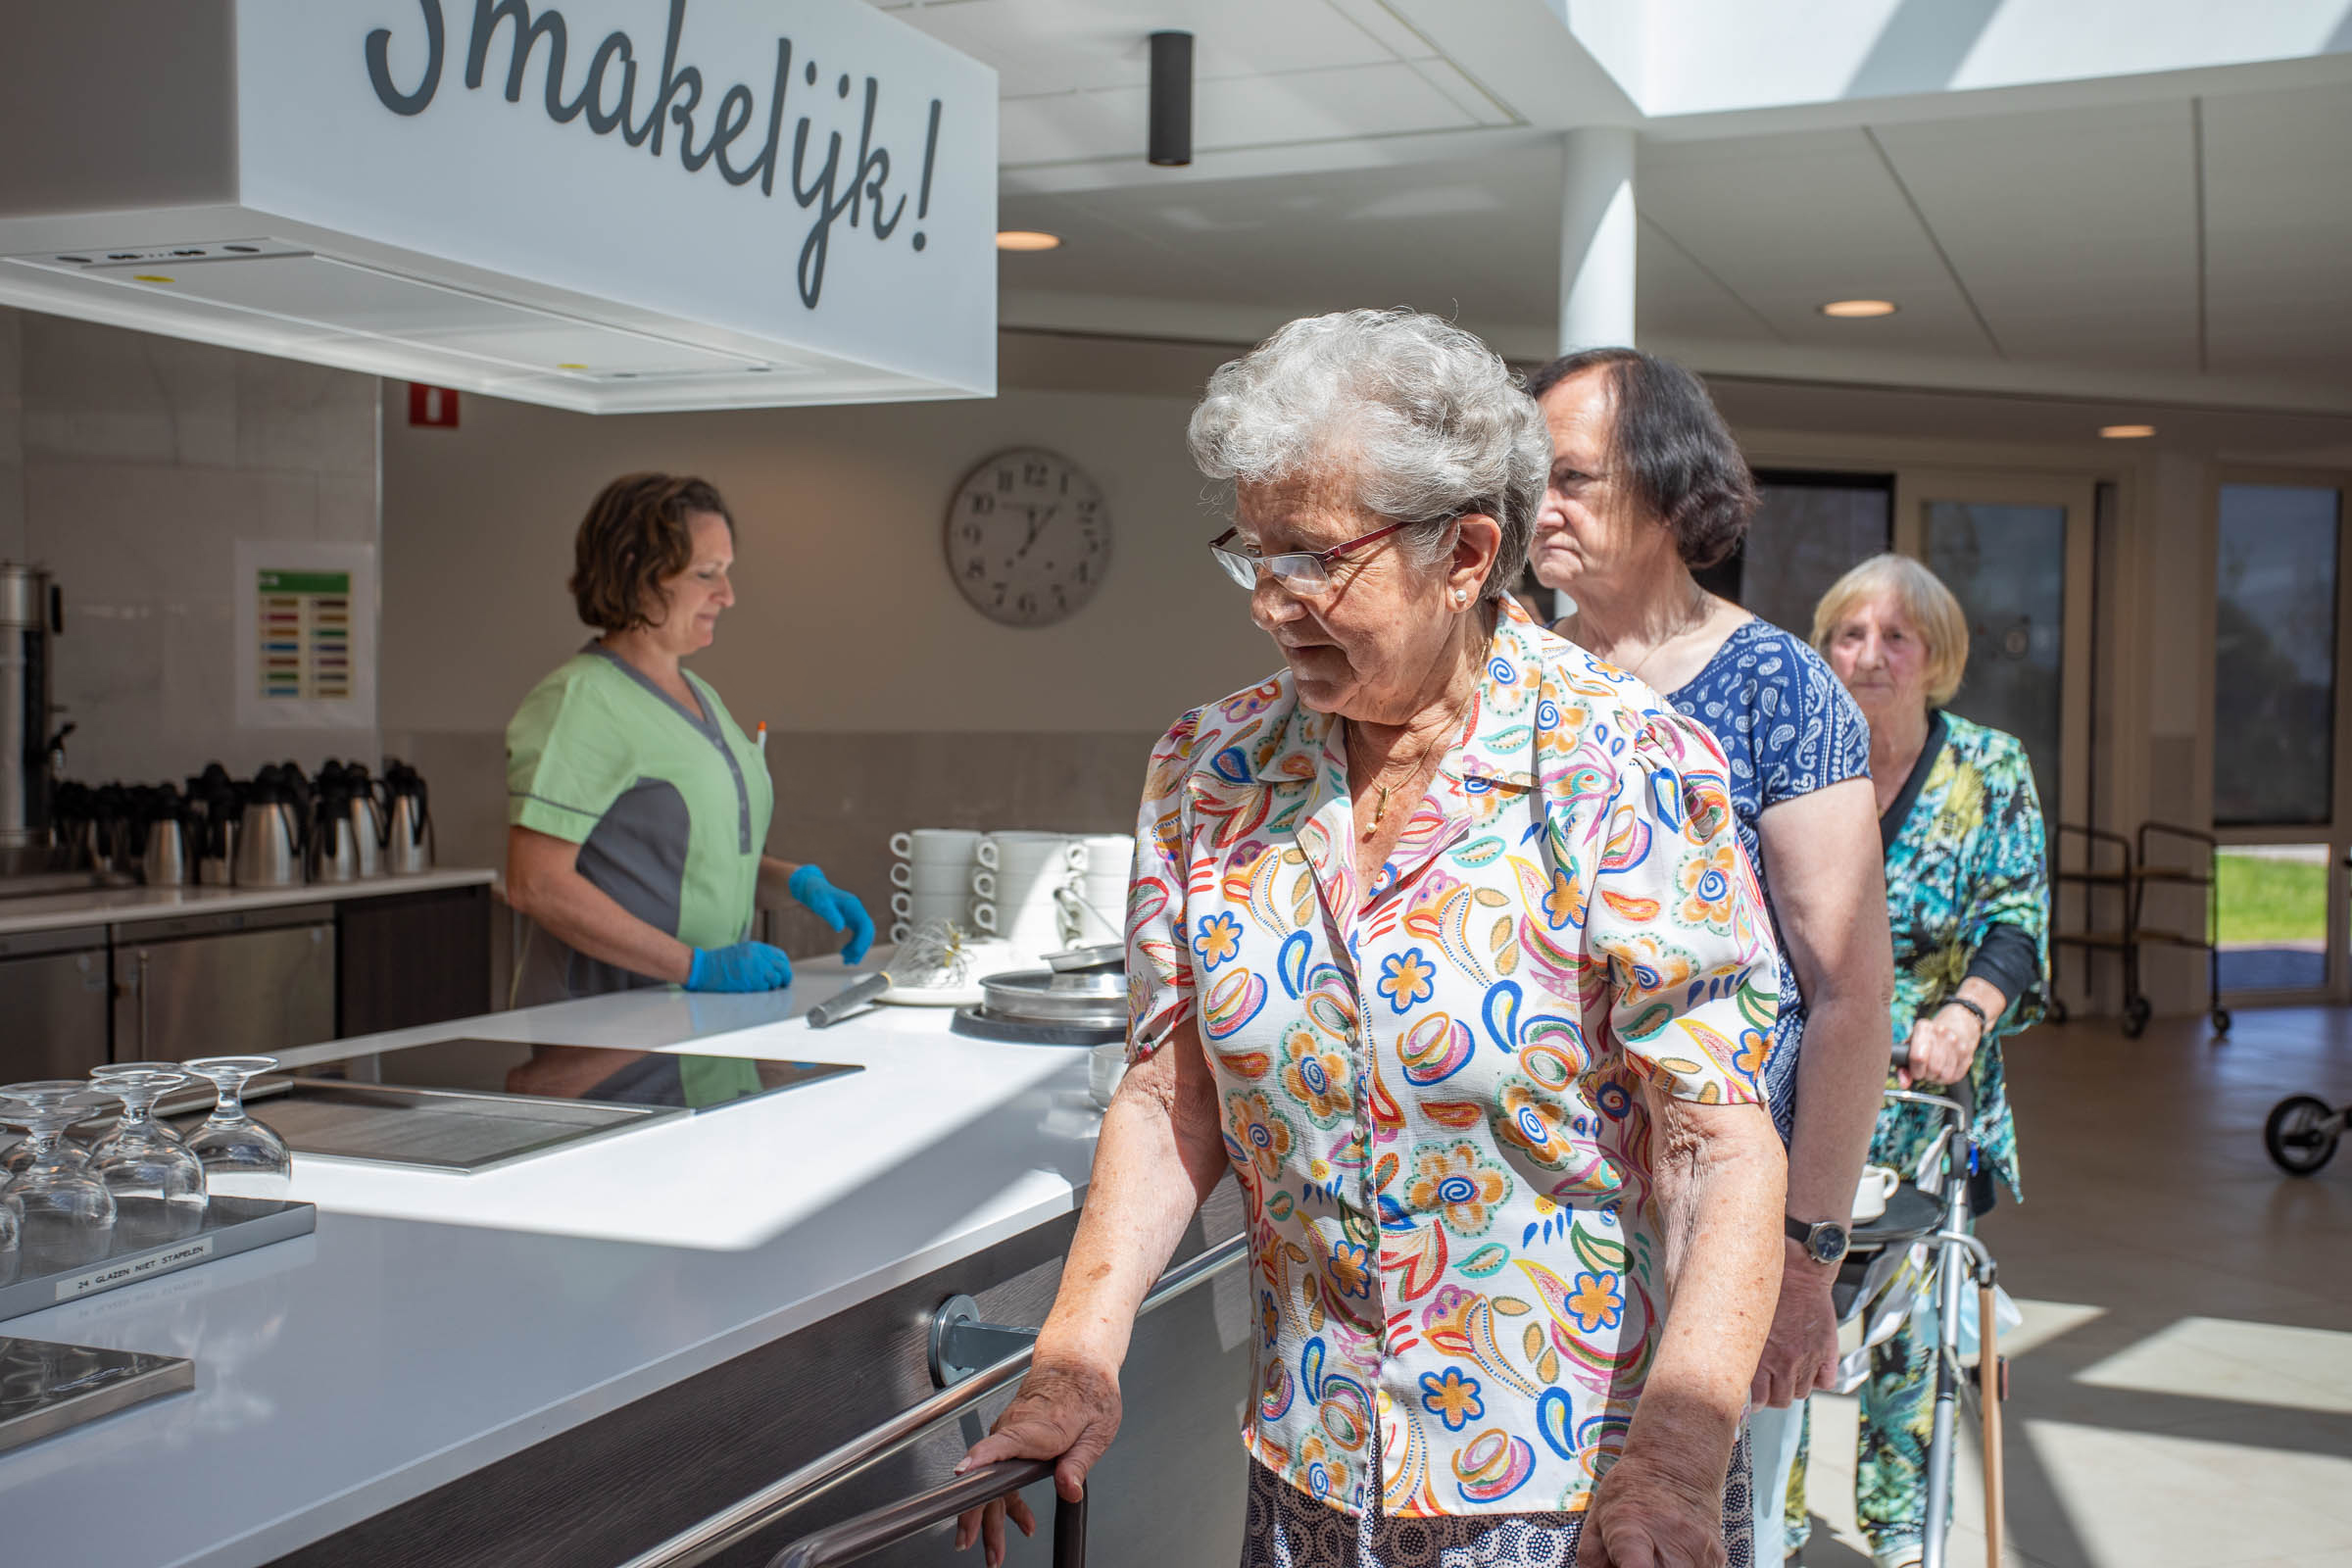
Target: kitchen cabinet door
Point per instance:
(53, 1014)
(235, 993)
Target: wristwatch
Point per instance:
(1824, 1242)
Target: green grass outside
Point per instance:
(2272, 901)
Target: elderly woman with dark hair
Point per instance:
(1646, 485)
(1441, 941)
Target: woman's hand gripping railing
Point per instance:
(852, 1538)
(703, 1540)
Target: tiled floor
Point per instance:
(2182, 1388)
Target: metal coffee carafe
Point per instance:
(214, 807)
(332, 854)
(346, 792)
(269, 848)
(166, 857)
(408, 821)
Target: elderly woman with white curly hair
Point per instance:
(1442, 940)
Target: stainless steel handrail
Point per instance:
(868, 1532)
(699, 1542)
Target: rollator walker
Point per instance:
(1921, 1248)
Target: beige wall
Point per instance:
(890, 701)
(131, 465)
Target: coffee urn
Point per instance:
(31, 611)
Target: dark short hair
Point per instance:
(638, 531)
(1672, 445)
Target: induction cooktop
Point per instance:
(589, 1074)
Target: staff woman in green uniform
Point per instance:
(636, 807)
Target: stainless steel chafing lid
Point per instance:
(1042, 995)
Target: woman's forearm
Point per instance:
(1158, 1156)
(543, 884)
(1720, 1177)
(775, 882)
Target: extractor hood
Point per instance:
(599, 205)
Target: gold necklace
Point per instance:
(1380, 809)
(1692, 621)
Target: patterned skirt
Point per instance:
(1287, 1529)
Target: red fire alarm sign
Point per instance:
(432, 406)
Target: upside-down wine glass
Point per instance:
(157, 1181)
(242, 1158)
(57, 1198)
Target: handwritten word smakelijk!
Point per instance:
(605, 101)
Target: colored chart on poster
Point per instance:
(305, 625)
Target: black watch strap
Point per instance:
(1824, 1241)
(1983, 1024)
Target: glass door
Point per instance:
(2278, 594)
(2016, 552)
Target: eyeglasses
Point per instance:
(1300, 571)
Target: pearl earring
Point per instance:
(1461, 598)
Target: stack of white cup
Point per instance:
(933, 876)
(1018, 886)
(1096, 907)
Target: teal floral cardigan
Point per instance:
(1968, 854)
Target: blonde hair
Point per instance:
(1924, 601)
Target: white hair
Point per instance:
(1428, 421)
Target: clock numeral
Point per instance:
(975, 569)
(983, 504)
(1026, 604)
(1003, 481)
(971, 533)
(1035, 473)
(1061, 601)
(1001, 589)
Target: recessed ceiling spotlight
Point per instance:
(2126, 432)
(1850, 310)
(1026, 239)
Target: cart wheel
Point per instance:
(2221, 1020)
(2136, 1016)
(2296, 1135)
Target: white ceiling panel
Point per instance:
(1674, 297)
(1300, 106)
(1059, 46)
(1791, 221)
(1475, 239)
(2074, 230)
(2279, 232)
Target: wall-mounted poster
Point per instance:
(306, 635)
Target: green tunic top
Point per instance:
(1966, 855)
(670, 812)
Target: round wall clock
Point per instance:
(1028, 537)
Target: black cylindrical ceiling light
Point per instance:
(1171, 99)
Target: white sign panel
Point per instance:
(306, 635)
(805, 171)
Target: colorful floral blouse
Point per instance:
(1430, 1088)
(1968, 854)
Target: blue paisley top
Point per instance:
(1788, 728)
(1430, 1087)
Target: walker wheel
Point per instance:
(2221, 1020)
(2055, 1012)
(2136, 1016)
(2297, 1135)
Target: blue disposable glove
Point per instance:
(838, 909)
(740, 966)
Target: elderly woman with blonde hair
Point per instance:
(1968, 903)
(1441, 941)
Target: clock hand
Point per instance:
(1037, 526)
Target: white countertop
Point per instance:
(60, 912)
(437, 1323)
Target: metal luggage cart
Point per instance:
(2124, 869)
(2193, 846)
(1935, 1213)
